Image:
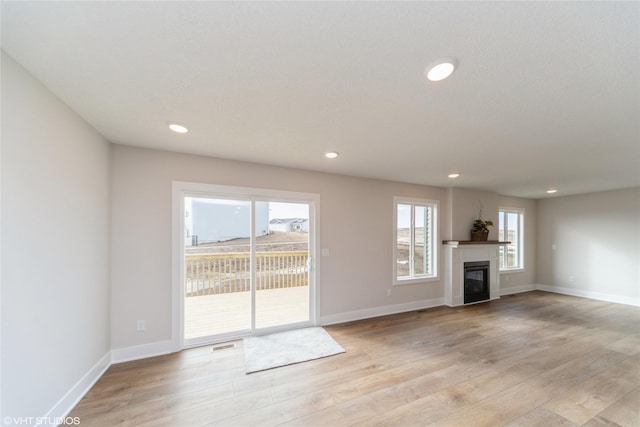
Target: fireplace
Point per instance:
(457, 254)
(476, 281)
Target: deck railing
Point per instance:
(211, 274)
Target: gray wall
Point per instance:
(597, 241)
(465, 207)
(356, 225)
(55, 246)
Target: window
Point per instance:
(511, 226)
(415, 236)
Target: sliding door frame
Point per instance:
(180, 190)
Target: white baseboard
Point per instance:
(65, 405)
(590, 294)
(77, 392)
(517, 289)
(380, 311)
(126, 354)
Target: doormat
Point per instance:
(287, 348)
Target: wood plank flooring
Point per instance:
(532, 359)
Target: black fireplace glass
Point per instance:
(476, 281)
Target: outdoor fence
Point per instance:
(211, 274)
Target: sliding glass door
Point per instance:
(247, 265)
(217, 264)
(282, 266)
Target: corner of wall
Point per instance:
(465, 206)
(66, 404)
(143, 351)
(619, 299)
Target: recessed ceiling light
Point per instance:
(441, 69)
(331, 155)
(453, 175)
(177, 127)
(552, 191)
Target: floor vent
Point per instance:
(223, 347)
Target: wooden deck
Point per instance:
(217, 314)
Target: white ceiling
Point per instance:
(547, 94)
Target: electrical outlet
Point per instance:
(141, 325)
(572, 279)
(388, 292)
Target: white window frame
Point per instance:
(520, 244)
(433, 249)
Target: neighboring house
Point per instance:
(214, 220)
(289, 224)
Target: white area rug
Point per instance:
(286, 348)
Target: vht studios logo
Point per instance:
(39, 421)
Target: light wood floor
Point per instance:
(533, 359)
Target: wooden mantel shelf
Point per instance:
(456, 243)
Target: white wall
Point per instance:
(597, 241)
(55, 248)
(521, 280)
(356, 225)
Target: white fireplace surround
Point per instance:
(456, 254)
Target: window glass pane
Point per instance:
(428, 241)
(419, 249)
(501, 218)
(512, 231)
(403, 240)
(414, 242)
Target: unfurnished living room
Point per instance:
(320, 213)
